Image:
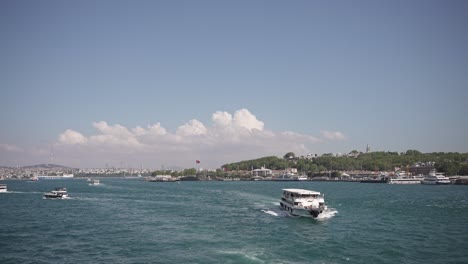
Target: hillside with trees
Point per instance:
(452, 163)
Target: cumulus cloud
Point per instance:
(71, 137)
(230, 137)
(332, 135)
(243, 118)
(192, 128)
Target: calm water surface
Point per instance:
(133, 221)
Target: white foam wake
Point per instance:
(327, 214)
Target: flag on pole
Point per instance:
(197, 161)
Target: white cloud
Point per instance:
(333, 135)
(229, 138)
(222, 119)
(243, 118)
(192, 128)
(10, 148)
(71, 137)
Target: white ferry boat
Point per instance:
(300, 202)
(3, 188)
(406, 180)
(58, 193)
(435, 178)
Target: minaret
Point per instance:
(367, 148)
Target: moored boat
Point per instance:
(162, 178)
(406, 180)
(436, 178)
(300, 202)
(58, 193)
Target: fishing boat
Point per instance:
(300, 202)
(58, 193)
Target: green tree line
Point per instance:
(452, 163)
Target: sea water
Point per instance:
(134, 221)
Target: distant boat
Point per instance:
(290, 177)
(94, 182)
(58, 193)
(3, 188)
(162, 178)
(403, 177)
(33, 179)
(436, 178)
(50, 177)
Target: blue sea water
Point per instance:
(133, 221)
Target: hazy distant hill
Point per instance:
(46, 166)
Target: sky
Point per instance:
(149, 84)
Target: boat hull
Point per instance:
(435, 183)
(311, 213)
(55, 197)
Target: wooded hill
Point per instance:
(452, 163)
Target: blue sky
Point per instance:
(334, 75)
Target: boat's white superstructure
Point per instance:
(435, 178)
(3, 188)
(300, 202)
(406, 180)
(58, 193)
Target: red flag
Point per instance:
(197, 161)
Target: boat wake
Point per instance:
(327, 214)
(19, 192)
(277, 212)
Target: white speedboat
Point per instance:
(58, 193)
(435, 178)
(3, 188)
(94, 182)
(300, 202)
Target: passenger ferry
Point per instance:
(406, 180)
(58, 193)
(3, 188)
(300, 202)
(435, 178)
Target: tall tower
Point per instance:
(367, 148)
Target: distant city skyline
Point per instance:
(155, 83)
